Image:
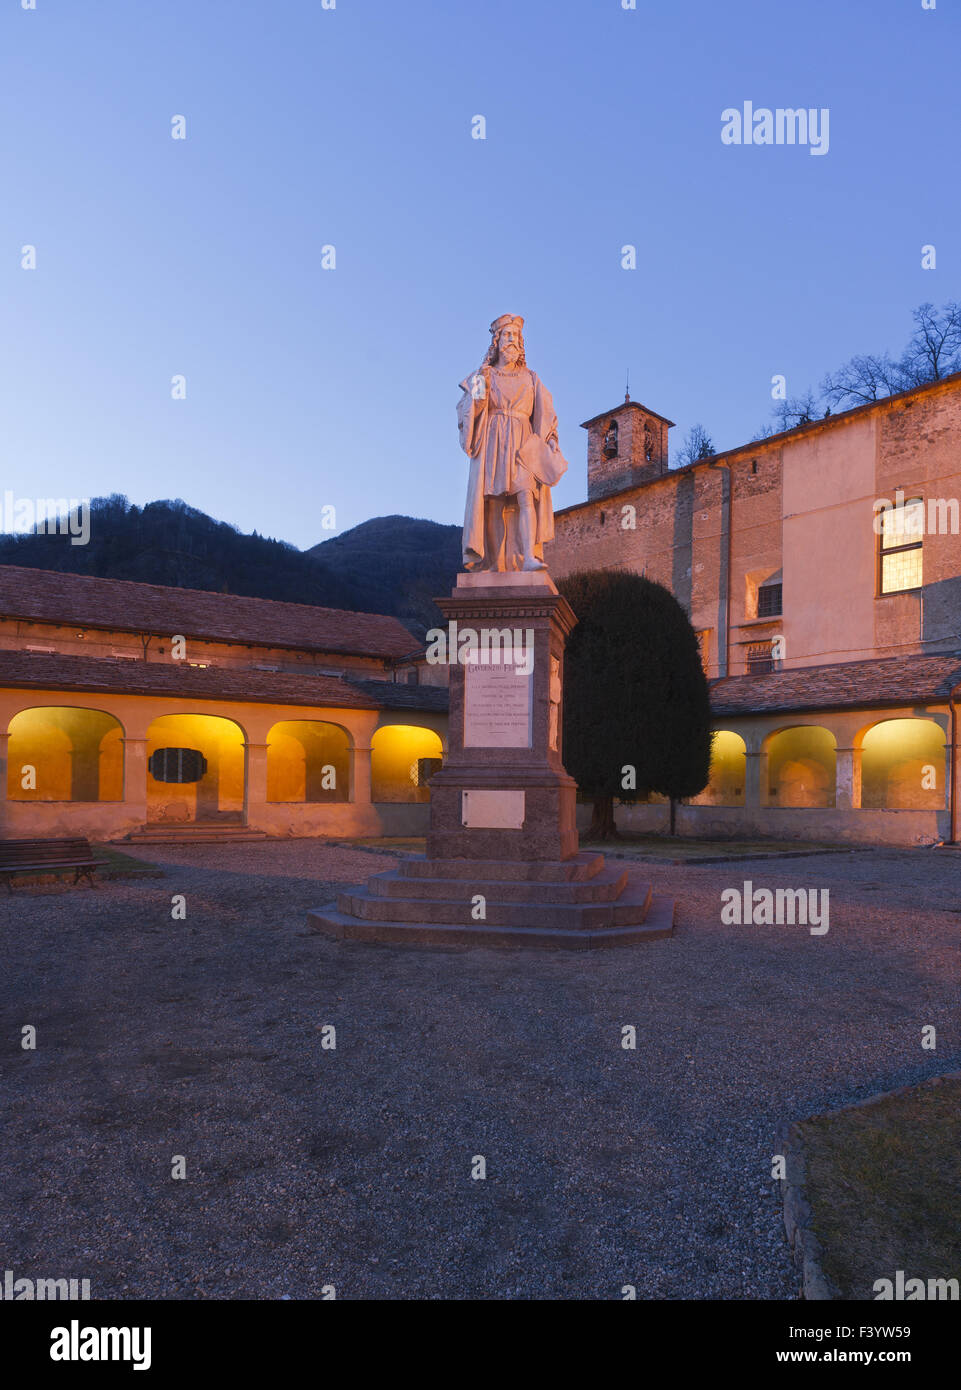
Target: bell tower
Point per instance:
(625, 446)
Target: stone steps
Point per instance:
(629, 908)
(580, 866)
(657, 922)
(604, 887)
(192, 834)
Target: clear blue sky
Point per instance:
(352, 126)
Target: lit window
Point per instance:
(901, 547)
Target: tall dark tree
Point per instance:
(637, 714)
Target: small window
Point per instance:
(900, 547)
(760, 659)
(769, 601)
(177, 765)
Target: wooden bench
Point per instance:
(47, 857)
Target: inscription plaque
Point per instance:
(492, 810)
(498, 702)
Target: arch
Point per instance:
(728, 764)
(64, 753)
(308, 760)
(801, 767)
(219, 794)
(903, 765)
(396, 752)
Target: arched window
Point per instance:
(726, 787)
(801, 767)
(59, 753)
(403, 758)
(195, 769)
(308, 760)
(903, 766)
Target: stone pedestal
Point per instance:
(503, 792)
(502, 866)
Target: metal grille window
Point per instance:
(177, 765)
(900, 547)
(769, 601)
(426, 767)
(759, 658)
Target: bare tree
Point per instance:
(797, 410)
(697, 445)
(933, 352)
(865, 378)
(935, 347)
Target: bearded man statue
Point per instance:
(508, 430)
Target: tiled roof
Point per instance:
(395, 695)
(120, 605)
(899, 680)
(124, 677)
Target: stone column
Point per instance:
(135, 778)
(255, 783)
(360, 776)
(4, 754)
(752, 779)
(848, 779)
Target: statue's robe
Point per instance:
(496, 415)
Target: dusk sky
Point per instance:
(351, 127)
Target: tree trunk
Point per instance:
(602, 820)
(673, 816)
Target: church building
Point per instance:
(821, 568)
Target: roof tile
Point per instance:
(122, 605)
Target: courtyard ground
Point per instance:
(308, 1167)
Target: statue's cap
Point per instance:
(514, 319)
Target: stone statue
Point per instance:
(508, 429)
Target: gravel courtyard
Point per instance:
(307, 1167)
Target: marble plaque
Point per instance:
(498, 701)
(493, 810)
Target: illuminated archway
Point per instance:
(62, 753)
(903, 766)
(397, 770)
(801, 767)
(216, 795)
(726, 785)
(308, 760)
